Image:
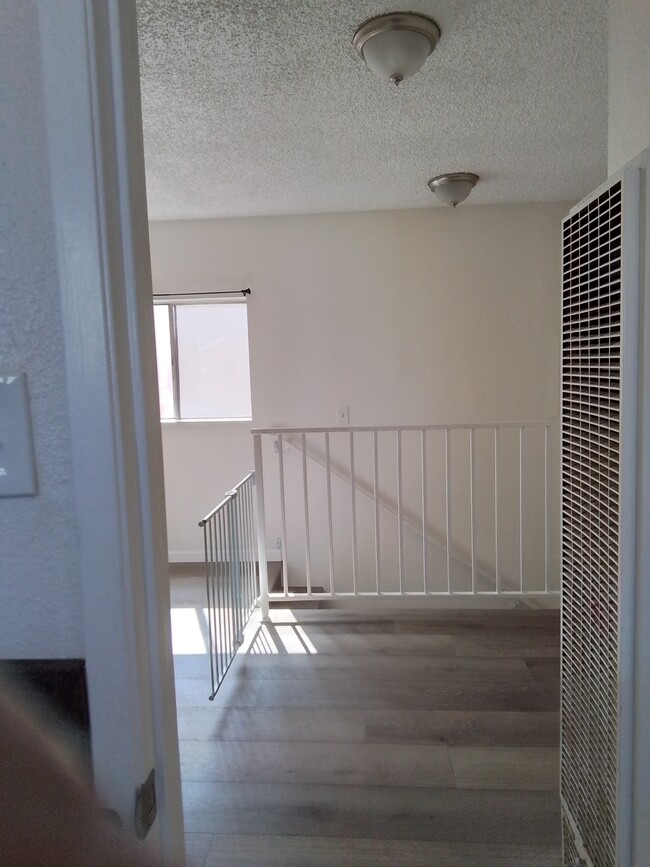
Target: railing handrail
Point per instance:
(241, 484)
(491, 497)
(229, 495)
(403, 427)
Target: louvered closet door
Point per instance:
(592, 361)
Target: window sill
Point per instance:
(204, 420)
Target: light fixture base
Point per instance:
(413, 21)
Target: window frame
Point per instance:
(204, 299)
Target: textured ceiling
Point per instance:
(263, 107)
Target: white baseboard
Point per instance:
(180, 555)
(405, 603)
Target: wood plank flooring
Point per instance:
(387, 740)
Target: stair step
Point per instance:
(297, 603)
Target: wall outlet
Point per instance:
(342, 415)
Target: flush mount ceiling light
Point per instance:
(453, 187)
(396, 46)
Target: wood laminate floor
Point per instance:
(339, 739)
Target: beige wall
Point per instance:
(629, 80)
(407, 317)
(202, 462)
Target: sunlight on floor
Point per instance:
(281, 636)
(286, 639)
(187, 634)
(282, 615)
(305, 640)
(290, 639)
(261, 643)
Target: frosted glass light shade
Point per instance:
(453, 188)
(396, 54)
(396, 46)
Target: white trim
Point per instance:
(641, 754)
(91, 84)
(204, 420)
(400, 427)
(629, 410)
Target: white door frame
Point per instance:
(94, 132)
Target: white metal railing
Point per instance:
(231, 578)
(433, 510)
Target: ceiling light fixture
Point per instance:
(396, 46)
(454, 187)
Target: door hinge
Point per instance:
(145, 806)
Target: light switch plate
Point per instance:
(17, 464)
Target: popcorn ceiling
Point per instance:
(254, 108)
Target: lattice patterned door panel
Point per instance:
(600, 399)
(591, 440)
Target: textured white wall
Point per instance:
(408, 317)
(40, 605)
(629, 80)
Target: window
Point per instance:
(202, 354)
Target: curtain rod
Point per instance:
(202, 294)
